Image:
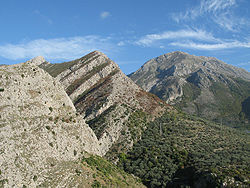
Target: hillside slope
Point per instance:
(203, 86)
(108, 100)
(179, 150)
(42, 140)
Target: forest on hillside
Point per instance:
(181, 150)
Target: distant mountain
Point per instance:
(109, 101)
(204, 86)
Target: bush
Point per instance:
(96, 184)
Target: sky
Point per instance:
(130, 32)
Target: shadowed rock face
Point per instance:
(199, 85)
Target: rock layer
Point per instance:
(101, 93)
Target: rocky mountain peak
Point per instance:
(99, 90)
(37, 60)
(177, 77)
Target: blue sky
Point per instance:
(130, 32)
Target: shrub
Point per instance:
(51, 109)
(96, 184)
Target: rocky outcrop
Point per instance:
(40, 131)
(103, 95)
(199, 85)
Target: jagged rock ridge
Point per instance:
(104, 96)
(43, 139)
(199, 85)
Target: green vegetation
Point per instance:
(2, 182)
(96, 184)
(246, 109)
(180, 150)
(107, 174)
(56, 69)
(230, 106)
(136, 124)
(190, 92)
(34, 177)
(132, 131)
(1, 89)
(230, 99)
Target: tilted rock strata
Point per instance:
(98, 89)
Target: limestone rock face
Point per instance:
(199, 85)
(39, 128)
(103, 95)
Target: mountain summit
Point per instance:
(106, 98)
(199, 85)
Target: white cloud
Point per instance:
(220, 12)
(104, 14)
(192, 39)
(150, 39)
(208, 46)
(216, 5)
(205, 6)
(230, 22)
(58, 48)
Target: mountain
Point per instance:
(59, 123)
(44, 142)
(204, 86)
(111, 103)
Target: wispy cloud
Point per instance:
(216, 5)
(192, 39)
(207, 46)
(58, 48)
(104, 14)
(220, 12)
(150, 39)
(205, 6)
(37, 12)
